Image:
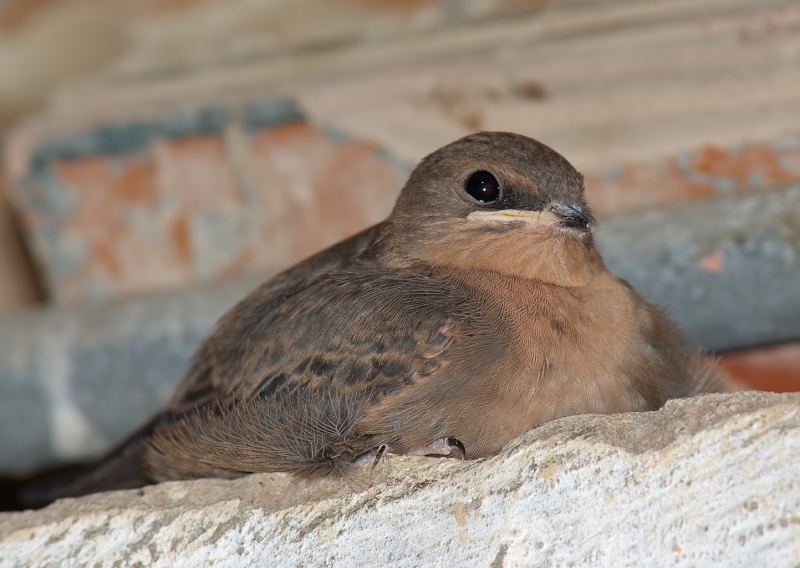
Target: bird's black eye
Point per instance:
(483, 186)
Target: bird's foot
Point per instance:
(376, 454)
(379, 454)
(442, 447)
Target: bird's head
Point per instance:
(496, 201)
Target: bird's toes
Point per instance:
(375, 455)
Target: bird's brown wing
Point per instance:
(348, 329)
(221, 371)
(292, 368)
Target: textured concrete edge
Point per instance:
(553, 444)
(723, 495)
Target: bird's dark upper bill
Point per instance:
(556, 215)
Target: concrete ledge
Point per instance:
(710, 480)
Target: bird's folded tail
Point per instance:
(708, 377)
(123, 468)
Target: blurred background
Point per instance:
(162, 157)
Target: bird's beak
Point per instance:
(555, 214)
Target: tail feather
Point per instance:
(123, 468)
(708, 377)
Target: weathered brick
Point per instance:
(147, 204)
(707, 172)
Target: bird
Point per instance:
(478, 310)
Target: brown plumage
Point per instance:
(457, 323)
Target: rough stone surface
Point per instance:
(704, 481)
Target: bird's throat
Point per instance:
(548, 254)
